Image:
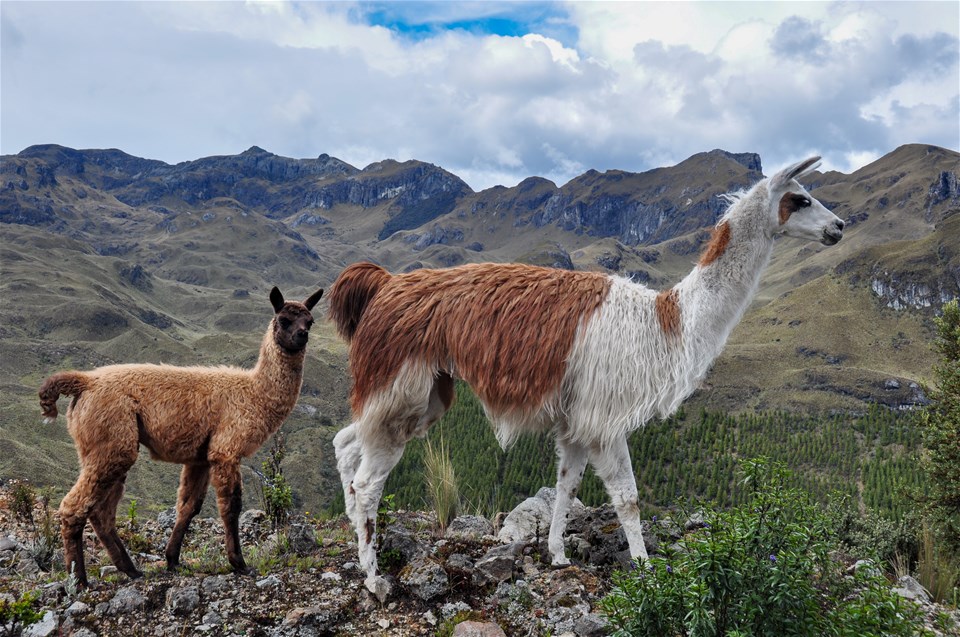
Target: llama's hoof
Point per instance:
(560, 561)
(134, 574)
(378, 586)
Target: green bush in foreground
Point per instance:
(763, 568)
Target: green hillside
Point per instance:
(870, 457)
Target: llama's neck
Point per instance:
(715, 295)
(277, 376)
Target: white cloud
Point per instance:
(646, 84)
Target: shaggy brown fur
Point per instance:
(719, 238)
(204, 418)
(504, 328)
(668, 313)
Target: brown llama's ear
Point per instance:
(276, 299)
(313, 298)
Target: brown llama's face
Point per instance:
(291, 325)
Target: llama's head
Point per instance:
(795, 213)
(291, 325)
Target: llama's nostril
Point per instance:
(839, 224)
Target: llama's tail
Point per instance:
(66, 383)
(352, 292)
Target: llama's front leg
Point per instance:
(571, 461)
(346, 447)
(375, 466)
(103, 518)
(613, 465)
(194, 480)
(227, 483)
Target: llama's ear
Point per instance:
(276, 299)
(313, 298)
(785, 176)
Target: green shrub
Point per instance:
(761, 569)
(276, 496)
(20, 613)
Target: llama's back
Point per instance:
(170, 410)
(506, 329)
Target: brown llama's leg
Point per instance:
(77, 506)
(103, 519)
(71, 530)
(227, 483)
(194, 479)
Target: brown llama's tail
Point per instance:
(352, 292)
(66, 383)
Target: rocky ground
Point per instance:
(471, 580)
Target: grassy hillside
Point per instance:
(109, 258)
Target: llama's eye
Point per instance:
(284, 322)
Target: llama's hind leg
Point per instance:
(375, 466)
(612, 464)
(227, 483)
(346, 447)
(103, 519)
(92, 487)
(571, 462)
(194, 480)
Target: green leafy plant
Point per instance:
(761, 568)
(276, 496)
(20, 613)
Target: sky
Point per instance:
(493, 92)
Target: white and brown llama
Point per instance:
(591, 356)
(205, 418)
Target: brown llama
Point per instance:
(205, 418)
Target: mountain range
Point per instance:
(106, 257)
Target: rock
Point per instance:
(44, 628)
(167, 519)
(307, 622)
(397, 538)
(909, 588)
(212, 618)
(469, 526)
(302, 539)
(330, 576)
(591, 625)
(271, 581)
(865, 566)
(450, 609)
(383, 623)
(497, 564)
(425, 578)
(127, 600)
(83, 632)
(215, 584)
(183, 601)
(530, 520)
(598, 538)
(252, 521)
(7, 543)
(78, 608)
(478, 629)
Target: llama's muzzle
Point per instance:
(833, 233)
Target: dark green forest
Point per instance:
(688, 458)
